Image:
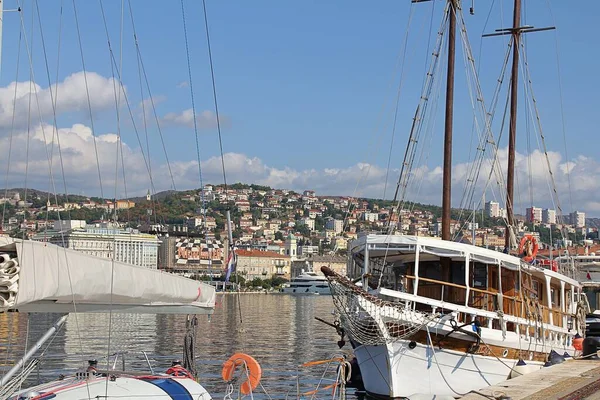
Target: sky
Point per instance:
(307, 93)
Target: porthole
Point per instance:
(505, 353)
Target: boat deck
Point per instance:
(573, 379)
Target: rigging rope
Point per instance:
(420, 112)
(189, 70)
(88, 98)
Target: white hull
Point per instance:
(154, 387)
(307, 283)
(395, 370)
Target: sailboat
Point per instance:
(456, 317)
(40, 277)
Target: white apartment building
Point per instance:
(577, 219)
(371, 217)
(492, 209)
(548, 216)
(128, 246)
(309, 222)
(533, 214)
(336, 225)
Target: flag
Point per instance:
(589, 276)
(231, 264)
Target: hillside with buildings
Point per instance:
(277, 232)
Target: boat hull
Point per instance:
(396, 370)
(154, 387)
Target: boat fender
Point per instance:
(252, 371)
(555, 358)
(590, 347)
(522, 368)
(578, 343)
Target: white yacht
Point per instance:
(307, 283)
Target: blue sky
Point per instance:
(306, 92)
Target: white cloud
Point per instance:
(205, 119)
(360, 179)
(183, 84)
(147, 102)
(71, 96)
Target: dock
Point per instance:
(570, 380)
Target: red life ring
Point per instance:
(178, 370)
(528, 248)
(253, 371)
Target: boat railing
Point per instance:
(486, 300)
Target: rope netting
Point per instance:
(370, 320)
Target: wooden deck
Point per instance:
(573, 379)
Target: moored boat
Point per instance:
(445, 331)
(307, 283)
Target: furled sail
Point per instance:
(42, 277)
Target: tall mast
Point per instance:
(516, 32)
(1, 28)
(447, 177)
(512, 130)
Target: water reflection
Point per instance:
(278, 330)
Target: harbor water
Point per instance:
(279, 330)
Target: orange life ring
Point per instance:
(178, 370)
(252, 371)
(528, 248)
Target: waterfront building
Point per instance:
(315, 262)
(105, 241)
(192, 255)
(262, 264)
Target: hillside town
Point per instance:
(277, 233)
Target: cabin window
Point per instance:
(430, 270)
(458, 274)
(493, 275)
(479, 275)
(535, 292)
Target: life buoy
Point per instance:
(528, 248)
(252, 371)
(178, 370)
(578, 344)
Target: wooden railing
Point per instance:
(482, 299)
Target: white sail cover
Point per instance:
(51, 278)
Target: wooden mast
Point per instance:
(516, 32)
(447, 172)
(512, 130)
